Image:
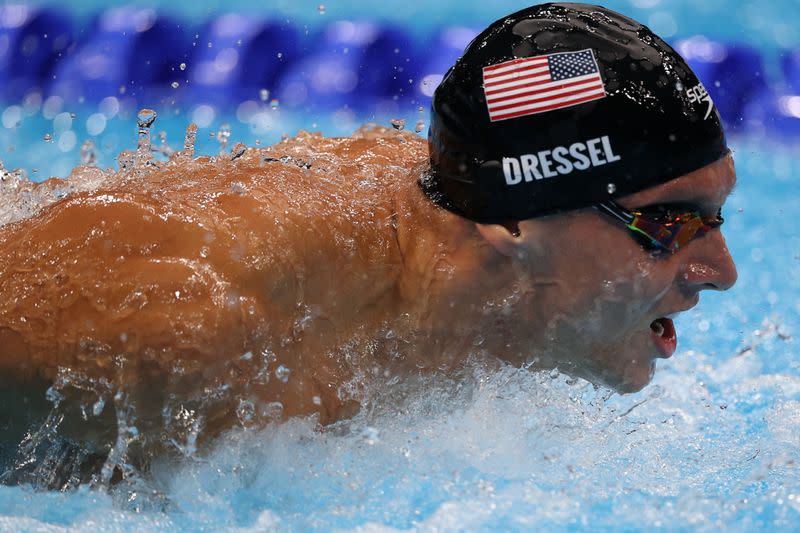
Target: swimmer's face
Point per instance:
(595, 292)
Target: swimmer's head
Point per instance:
(562, 106)
(555, 110)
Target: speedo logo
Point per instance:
(698, 94)
(559, 161)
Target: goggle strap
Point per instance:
(612, 209)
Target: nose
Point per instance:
(710, 265)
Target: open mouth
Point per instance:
(666, 340)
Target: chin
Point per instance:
(636, 377)
(632, 377)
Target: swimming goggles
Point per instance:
(663, 229)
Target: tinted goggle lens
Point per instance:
(668, 230)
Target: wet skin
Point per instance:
(594, 291)
(323, 256)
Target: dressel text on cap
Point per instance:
(560, 160)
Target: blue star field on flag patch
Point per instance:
(571, 65)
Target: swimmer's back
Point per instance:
(206, 259)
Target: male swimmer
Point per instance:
(566, 207)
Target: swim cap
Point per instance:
(561, 106)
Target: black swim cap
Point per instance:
(561, 106)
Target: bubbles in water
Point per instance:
(182, 66)
(48, 138)
(611, 188)
(419, 126)
(282, 373)
(175, 84)
(274, 103)
(398, 123)
(321, 9)
(263, 94)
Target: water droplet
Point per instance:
(223, 135)
(246, 412)
(419, 126)
(263, 94)
(370, 435)
(72, 116)
(175, 84)
(282, 373)
(398, 123)
(274, 103)
(611, 188)
(246, 356)
(272, 410)
(421, 109)
(88, 153)
(189, 140)
(48, 138)
(321, 9)
(98, 407)
(145, 119)
(182, 66)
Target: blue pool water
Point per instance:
(713, 443)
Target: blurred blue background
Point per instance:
(80, 70)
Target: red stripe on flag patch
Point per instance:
(534, 85)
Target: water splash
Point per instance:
(237, 151)
(189, 141)
(145, 119)
(223, 135)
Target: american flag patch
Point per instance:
(533, 85)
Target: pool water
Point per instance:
(713, 443)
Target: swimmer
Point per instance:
(566, 206)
